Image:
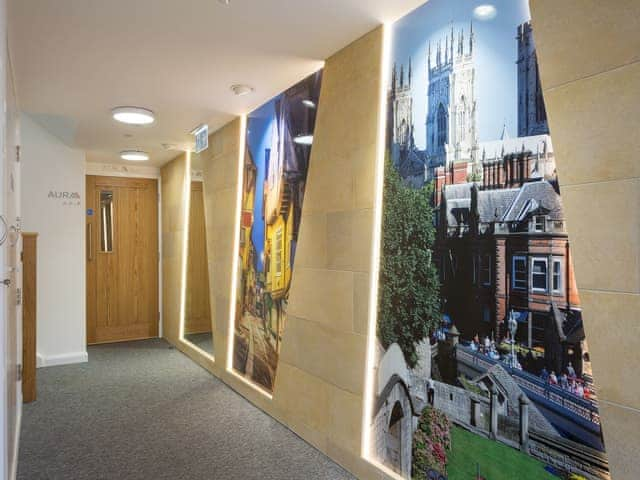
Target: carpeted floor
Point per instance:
(142, 410)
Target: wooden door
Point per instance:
(29, 300)
(198, 310)
(122, 259)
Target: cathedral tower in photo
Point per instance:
(532, 116)
(451, 112)
(401, 111)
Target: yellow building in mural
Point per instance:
(279, 236)
(246, 224)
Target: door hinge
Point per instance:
(17, 153)
(18, 296)
(19, 372)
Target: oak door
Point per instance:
(122, 259)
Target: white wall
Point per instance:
(49, 170)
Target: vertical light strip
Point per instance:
(186, 201)
(377, 234)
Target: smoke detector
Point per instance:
(241, 89)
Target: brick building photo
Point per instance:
(498, 349)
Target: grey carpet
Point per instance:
(142, 410)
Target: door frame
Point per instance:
(132, 171)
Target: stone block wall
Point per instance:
(589, 56)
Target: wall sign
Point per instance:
(202, 137)
(483, 368)
(64, 198)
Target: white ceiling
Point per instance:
(74, 60)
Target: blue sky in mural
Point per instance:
(495, 56)
(259, 125)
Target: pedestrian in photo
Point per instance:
(564, 381)
(431, 391)
(544, 375)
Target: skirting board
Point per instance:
(64, 359)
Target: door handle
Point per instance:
(90, 242)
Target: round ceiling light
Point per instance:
(134, 155)
(240, 89)
(133, 115)
(485, 12)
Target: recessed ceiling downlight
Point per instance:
(241, 89)
(134, 155)
(485, 12)
(133, 115)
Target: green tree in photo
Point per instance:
(409, 287)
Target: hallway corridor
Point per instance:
(143, 410)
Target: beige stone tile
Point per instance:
(324, 296)
(213, 286)
(339, 240)
(592, 122)
(346, 129)
(169, 248)
(604, 230)
(221, 275)
(216, 143)
(348, 122)
(577, 38)
(353, 462)
(303, 396)
(345, 410)
(330, 184)
(172, 216)
(221, 316)
(220, 242)
(365, 182)
(222, 172)
(612, 329)
(361, 292)
(310, 435)
(621, 426)
(335, 356)
(221, 209)
(349, 238)
(362, 240)
(231, 135)
(312, 241)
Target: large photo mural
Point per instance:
(482, 365)
(279, 136)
